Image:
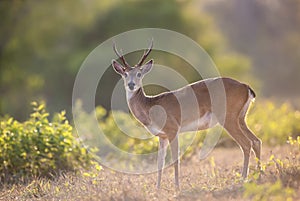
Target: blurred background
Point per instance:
(43, 44)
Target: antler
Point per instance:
(121, 56)
(146, 53)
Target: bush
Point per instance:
(267, 191)
(120, 129)
(270, 122)
(274, 123)
(38, 147)
(280, 178)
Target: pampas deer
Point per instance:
(238, 98)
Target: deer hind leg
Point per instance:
(234, 130)
(174, 143)
(162, 151)
(256, 142)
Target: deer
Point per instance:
(238, 99)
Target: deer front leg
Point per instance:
(162, 151)
(175, 157)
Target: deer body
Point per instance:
(140, 105)
(170, 113)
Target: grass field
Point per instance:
(215, 178)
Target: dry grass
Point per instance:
(215, 178)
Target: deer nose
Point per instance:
(131, 85)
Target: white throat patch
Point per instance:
(129, 95)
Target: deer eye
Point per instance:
(125, 74)
(138, 74)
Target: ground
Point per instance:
(215, 178)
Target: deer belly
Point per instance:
(202, 123)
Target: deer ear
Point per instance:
(118, 67)
(147, 67)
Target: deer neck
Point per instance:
(129, 95)
(138, 105)
(135, 98)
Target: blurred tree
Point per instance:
(40, 52)
(268, 32)
(43, 43)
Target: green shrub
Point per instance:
(268, 191)
(274, 123)
(119, 128)
(280, 178)
(38, 147)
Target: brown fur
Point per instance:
(237, 96)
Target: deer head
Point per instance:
(132, 75)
